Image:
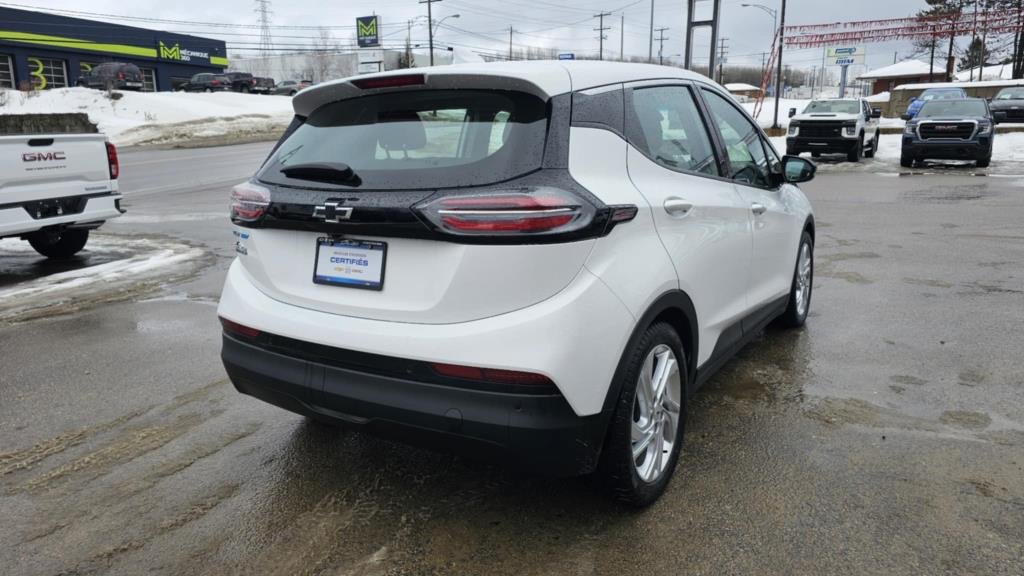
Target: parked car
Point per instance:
(950, 130)
(291, 87)
(263, 85)
(546, 288)
(207, 82)
(112, 76)
(56, 186)
(848, 126)
(1008, 105)
(932, 94)
(241, 81)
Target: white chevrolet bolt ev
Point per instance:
(531, 262)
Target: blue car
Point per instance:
(933, 94)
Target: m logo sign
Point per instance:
(367, 31)
(170, 53)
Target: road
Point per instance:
(885, 438)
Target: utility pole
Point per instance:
(931, 62)
(778, 79)
(600, 33)
(721, 57)
(661, 44)
(511, 30)
(622, 37)
(430, 26)
(814, 77)
(650, 40)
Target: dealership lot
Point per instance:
(886, 437)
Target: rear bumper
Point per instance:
(15, 220)
(799, 144)
(575, 337)
(539, 432)
(947, 149)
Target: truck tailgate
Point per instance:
(42, 166)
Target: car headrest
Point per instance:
(401, 130)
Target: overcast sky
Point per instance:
(483, 24)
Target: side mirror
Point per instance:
(792, 112)
(904, 116)
(876, 112)
(796, 169)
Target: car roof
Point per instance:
(544, 78)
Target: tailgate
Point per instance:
(40, 166)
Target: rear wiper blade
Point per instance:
(329, 172)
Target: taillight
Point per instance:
(532, 211)
(239, 329)
(112, 163)
(252, 82)
(249, 202)
(492, 375)
(391, 81)
(215, 82)
(120, 75)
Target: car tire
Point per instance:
(855, 154)
(984, 162)
(803, 284)
(59, 245)
(874, 147)
(245, 90)
(906, 161)
(651, 408)
(791, 152)
(292, 93)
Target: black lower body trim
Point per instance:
(538, 432)
(744, 330)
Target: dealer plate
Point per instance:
(350, 263)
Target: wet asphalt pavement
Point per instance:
(885, 438)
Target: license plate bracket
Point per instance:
(350, 263)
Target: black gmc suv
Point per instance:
(950, 130)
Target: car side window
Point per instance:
(748, 163)
(669, 130)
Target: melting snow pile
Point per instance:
(162, 117)
(141, 265)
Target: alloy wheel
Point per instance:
(656, 409)
(803, 279)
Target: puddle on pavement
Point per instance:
(949, 194)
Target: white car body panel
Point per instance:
(709, 246)
(427, 282)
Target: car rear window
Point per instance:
(416, 140)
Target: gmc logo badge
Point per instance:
(945, 128)
(42, 156)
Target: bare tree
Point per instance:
(320, 62)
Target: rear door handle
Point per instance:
(758, 209)
(677, 206)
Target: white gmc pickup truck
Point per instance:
(58, 181)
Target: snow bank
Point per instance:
(161, 117)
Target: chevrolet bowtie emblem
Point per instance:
(332, 212)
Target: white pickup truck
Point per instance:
(58, 181)
(842, 125)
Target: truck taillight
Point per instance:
(531, 211)
(249, 202)
(120, 75)
(112, 163)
